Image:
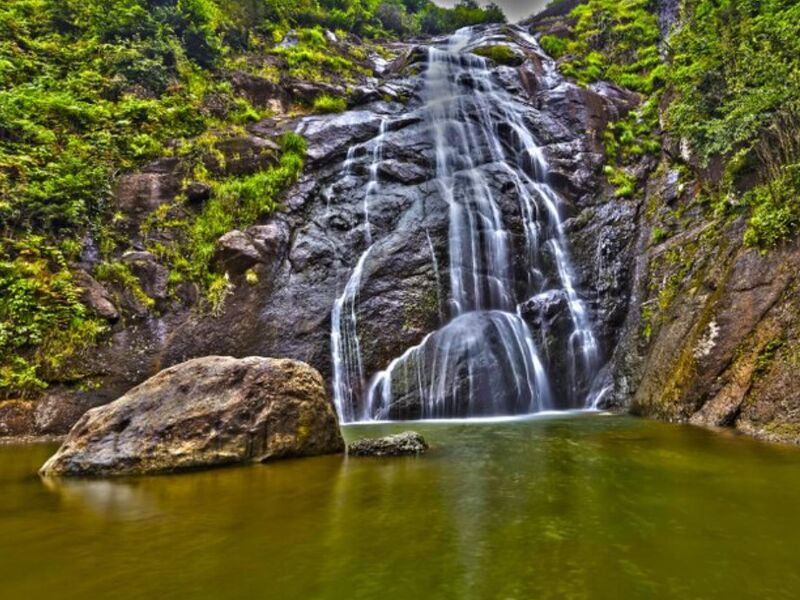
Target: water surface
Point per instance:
(586, 506)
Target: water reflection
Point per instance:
(109, 499)
(581, 507)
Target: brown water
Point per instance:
(585, 506)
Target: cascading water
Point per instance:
(485, 360)
(348, 370)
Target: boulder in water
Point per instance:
(206, 412)
(401, 444)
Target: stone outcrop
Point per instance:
(207, 412)
(400, 444)
(239, 251)
(95, 296)
(235, 252)
(712, 338)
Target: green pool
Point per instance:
(582, 506)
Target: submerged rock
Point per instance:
(206, 412)
(400, 444)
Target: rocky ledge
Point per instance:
(401, 444)
(206, 412)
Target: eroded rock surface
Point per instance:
(710, 337)
(207, 412)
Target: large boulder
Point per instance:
(206, 412)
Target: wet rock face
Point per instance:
(401, 444)
(207, 412)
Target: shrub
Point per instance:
(776, 211)
(329, 104)
(43, 323)
(555, 46)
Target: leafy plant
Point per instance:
(329, 104)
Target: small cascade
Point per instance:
(482, 363)
(486, 360)
(348, 369)
(374, 184)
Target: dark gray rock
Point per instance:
(16, 418)
(400, 444)
(236, 252)
(152, 275)
(60, 409)
(270, 240)
(197, 192)
(138, 194)
(95, 296)
(259, 91)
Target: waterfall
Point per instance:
(348, 369)
(485, 360)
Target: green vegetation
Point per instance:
(659, 234)
(436, 20)
(554, 45)
(500, 54)
(366, 18)
(309, 55)
(729, 81)
(735, 73)
(42, 321)
(613, 40)
(329, 104)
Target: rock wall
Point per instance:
(712, 335)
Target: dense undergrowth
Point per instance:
(90, 90)
(735, 83)
(725, 82)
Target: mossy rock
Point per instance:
(502, 55)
